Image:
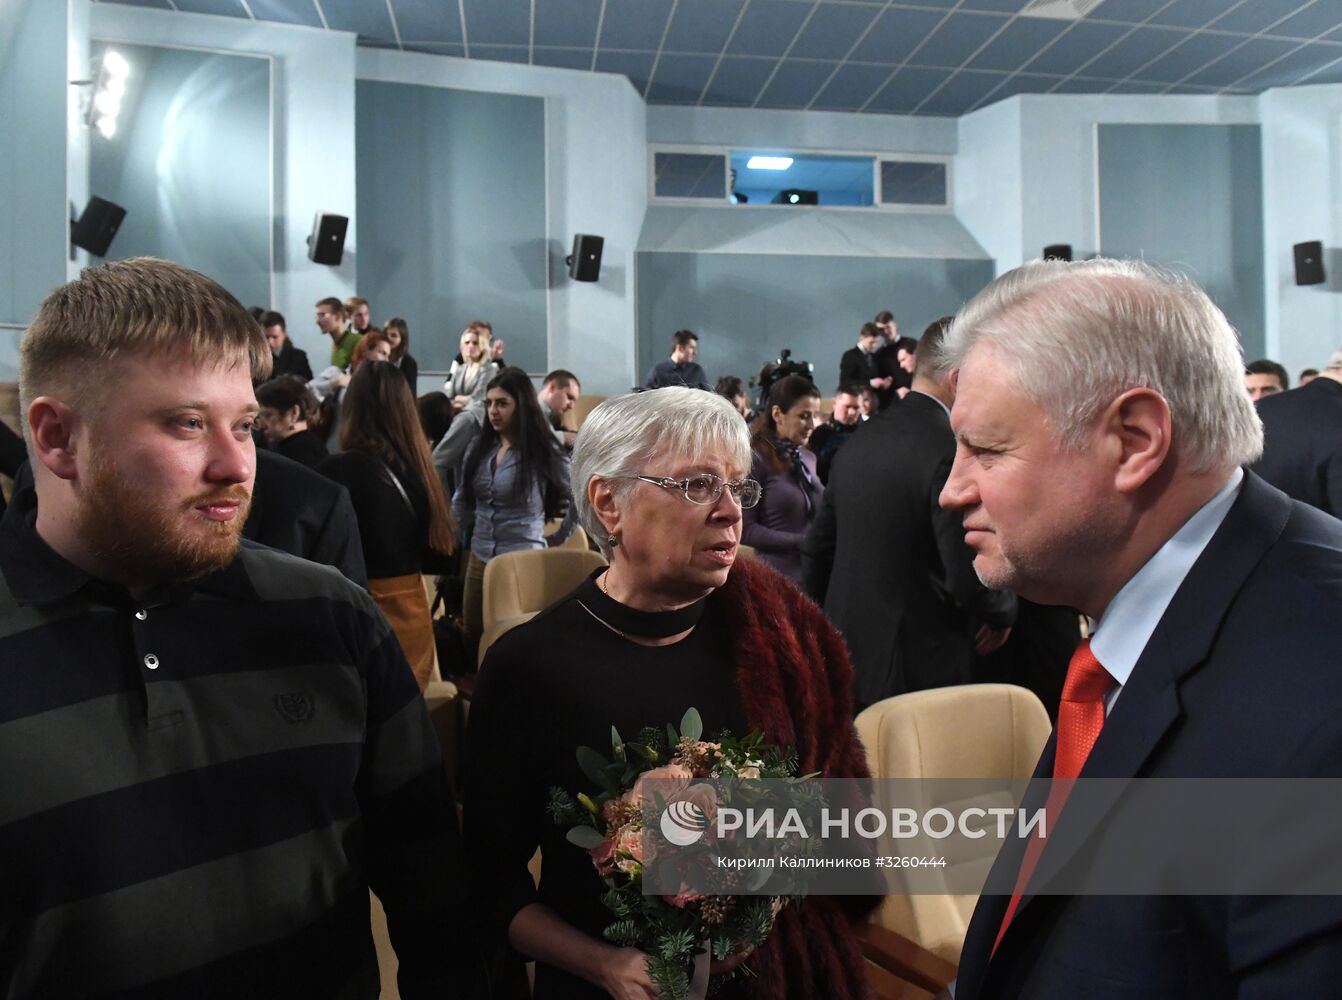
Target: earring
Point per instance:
(612, 541)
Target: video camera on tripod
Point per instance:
(782, 368)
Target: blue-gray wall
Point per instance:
(1190, 197)
(190, 163)
(33, 226)
(451, 202)
(746, 307)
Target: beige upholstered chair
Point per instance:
(970, 731)
(577, 413)
(519, 583)
(492, 633)
(577, 540)
(387, 963)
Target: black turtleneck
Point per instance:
(554, 684)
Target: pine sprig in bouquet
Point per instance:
(664, 766)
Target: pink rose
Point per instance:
(629, 841)
(670, 780)
(603, 857)
(703, 796)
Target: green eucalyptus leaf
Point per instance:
(584, 837)
(691, 726)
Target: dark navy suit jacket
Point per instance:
(1302, 443)
(1241, 678)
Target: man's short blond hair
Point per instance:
(141, 306)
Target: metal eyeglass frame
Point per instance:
(735, 487)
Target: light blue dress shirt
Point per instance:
(1125, 627)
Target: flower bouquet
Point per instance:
(680, 774)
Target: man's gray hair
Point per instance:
(1334, 361)
(1077, 335)
(638, 433)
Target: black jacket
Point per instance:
(292, 361)
(1302, 443)
(889, 566)
(298, 510)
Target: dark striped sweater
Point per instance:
(198, 788)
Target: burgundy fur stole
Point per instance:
(796, 686)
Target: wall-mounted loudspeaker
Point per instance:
(326, 245)
(1058, 251)
(94, 229)
(1309, 263)
(584, 263)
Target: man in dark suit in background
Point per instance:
(1302, 439)
(830, 436)
(1216, 605)
(860, 365)
(889, 566)
(289, 360)
(298, 510)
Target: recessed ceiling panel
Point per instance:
(767, 29)
(571, 24)
(738, 80)
(421, 22)
(795, 84)
(852, 86)
(701, 25)
(286, 12)
(832, 31)
(368, 20)
(497, 22)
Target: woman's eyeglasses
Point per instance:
(706, 488)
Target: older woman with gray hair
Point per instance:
(675, 621)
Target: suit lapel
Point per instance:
(1149, 704)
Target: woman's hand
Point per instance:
(340, 381)
(460, 403)
(625, 975)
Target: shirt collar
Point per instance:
(38, 575)
(1125, 627)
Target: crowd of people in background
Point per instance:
(499, 444)
(851, 490)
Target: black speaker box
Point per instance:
(94, 229)
(1309, 263)
(1058, 251)
(584, 264)
(326, 245)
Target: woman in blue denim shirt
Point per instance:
(514, 479)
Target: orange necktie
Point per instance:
(1080, 719)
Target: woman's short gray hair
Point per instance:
(625, 434)
(1077, 335)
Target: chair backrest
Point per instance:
(496, 629)
(993, 731)
(522, 582)
(577, 540)
(577, 413)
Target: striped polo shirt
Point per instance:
(198, 787)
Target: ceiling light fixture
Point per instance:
(1060, 10)
(769, 162)
(107, 83)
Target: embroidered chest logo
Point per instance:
(295, 706)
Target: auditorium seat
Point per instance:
(989, 731)
(492, 632)
(519, 583)
(577, 413)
